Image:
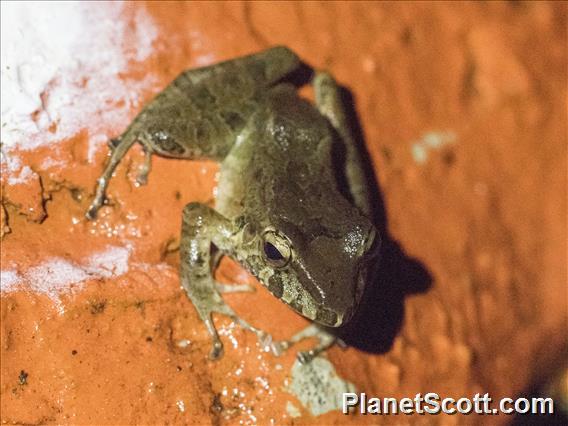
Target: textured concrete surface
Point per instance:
(462, 110)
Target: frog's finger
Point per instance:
(234, 288)
(264, 339)
(142, 178)
(217, 346)
(325, 341)
(278, 348)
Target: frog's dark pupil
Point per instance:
(272, 252)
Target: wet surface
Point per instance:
(462, 111)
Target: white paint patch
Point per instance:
(109, 263)
(24, 175)
(48, 163)
(58, 276)
(13, 170)
(292, 410)
(317, 386)
(61, 64)
(55, 275)
(8, 278)
(431, 141)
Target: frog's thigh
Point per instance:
(264, 68)
(330, 105)
(202, 111)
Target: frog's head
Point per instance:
(318, 267)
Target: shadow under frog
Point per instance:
(281, 211)
(381, 313)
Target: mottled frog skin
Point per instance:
(279, 211)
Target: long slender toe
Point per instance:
(216, 350)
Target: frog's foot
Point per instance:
(216, 305)
(325, 338)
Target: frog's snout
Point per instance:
(340, 307)
(328, 317)
(331, 318)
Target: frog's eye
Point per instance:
(276, 248)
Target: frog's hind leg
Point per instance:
(119, 147)
(330, 104)
(201, 227)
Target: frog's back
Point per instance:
(284, 149)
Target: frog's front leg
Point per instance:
(200, 114)
(201, 227)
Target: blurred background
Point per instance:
(462, 109)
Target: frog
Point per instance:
(279, 209)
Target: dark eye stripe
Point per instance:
(276, 285)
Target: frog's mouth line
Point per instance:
(319, 314)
